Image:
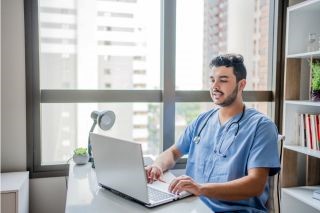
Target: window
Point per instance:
(88, 46)
(62, 122)
(107, 85)
(107, 71)
(129, 57)
(204, 35)
(218, 27)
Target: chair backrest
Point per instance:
(273, 203)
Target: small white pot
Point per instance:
(81, 159)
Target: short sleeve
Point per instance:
(183, 144)
(264, 151)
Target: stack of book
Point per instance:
(309, 131)
(316, 194)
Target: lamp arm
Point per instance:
(89, 142)
(93, 125)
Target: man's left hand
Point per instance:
(184, 183)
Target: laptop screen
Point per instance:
(119, 166)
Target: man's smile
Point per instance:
(217, 94)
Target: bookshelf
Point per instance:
(300, 174)
(304, 194)
(303, 150)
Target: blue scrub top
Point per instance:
(220, 156)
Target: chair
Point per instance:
(273, 203)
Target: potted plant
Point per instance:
(80, 156)
(315, 81)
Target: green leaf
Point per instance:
(315, 82)
(80, 151)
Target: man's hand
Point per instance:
(154, 173)
(184, 183)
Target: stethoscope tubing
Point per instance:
(197, 138)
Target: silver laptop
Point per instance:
(120, 169)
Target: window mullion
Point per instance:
(168, 52)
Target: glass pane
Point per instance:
(263, 107)
(217, 27)
(99, 44)
(66, 126)
(188, 112)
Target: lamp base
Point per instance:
(92, 162)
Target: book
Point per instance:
(302, 130)
(313, 133)
(298, 130)
(318, 130)
(308, 131)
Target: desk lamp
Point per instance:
(105, 121)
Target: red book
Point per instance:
(318, 129)
(309, 130)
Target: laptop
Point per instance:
(119, 168)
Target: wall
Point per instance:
(0, 81)
(46, 194)
(293, 2)
(13, 113)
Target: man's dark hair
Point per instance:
(231, 60)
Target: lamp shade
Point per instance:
(106, 120)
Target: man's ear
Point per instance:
(242, 84)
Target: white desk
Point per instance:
(84, 195)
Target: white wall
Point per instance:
(46, 194)
(0, 83)
(13, 113)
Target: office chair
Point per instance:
(273, 203)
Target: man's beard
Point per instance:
(231, 98)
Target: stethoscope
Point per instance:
(197, 138)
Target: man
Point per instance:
(232, 149)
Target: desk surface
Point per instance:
(84, 195)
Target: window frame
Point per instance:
(168, 95)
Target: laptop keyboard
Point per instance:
(157, 195)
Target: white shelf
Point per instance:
(315, 54)
(15, 192)
(306, 5)
(302, 19)
(304, 194)
(303, 102)
(12, 181)
(303, 150)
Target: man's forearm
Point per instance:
(167, 159)
(242, 188)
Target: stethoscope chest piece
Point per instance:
(196, 139)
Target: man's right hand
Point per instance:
(154, 172)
